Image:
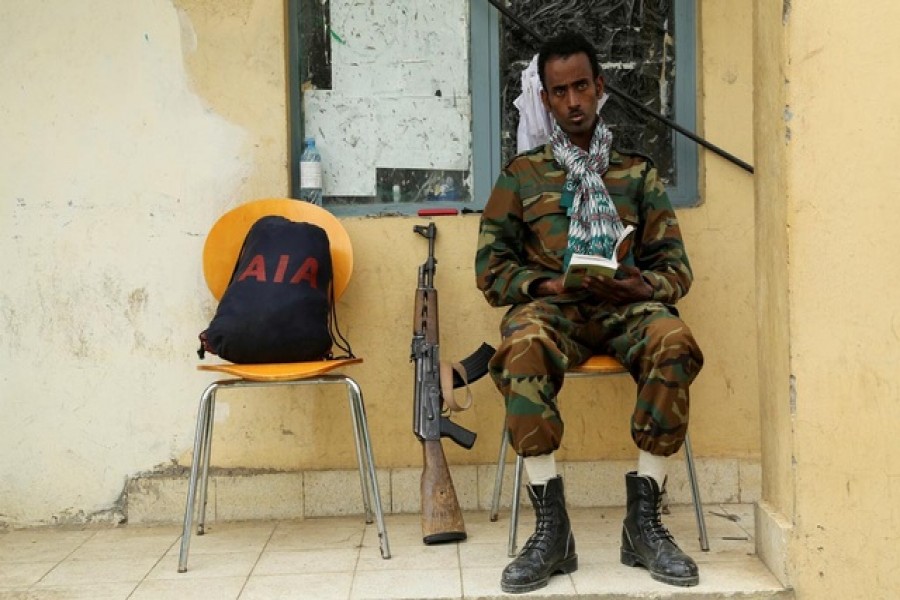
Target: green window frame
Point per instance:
(308, 21)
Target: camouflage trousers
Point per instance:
(542, 339)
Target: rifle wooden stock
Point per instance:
(442, 519)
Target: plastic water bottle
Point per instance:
(311, 173)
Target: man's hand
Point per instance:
(549, 287)
(630, 288)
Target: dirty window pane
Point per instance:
(635, 40)
(315, 39)
(382, 87)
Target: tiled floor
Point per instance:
(339, 558)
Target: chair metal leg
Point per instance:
(203, 445)
(354, 402)
(203, 416)
(498, 478)
(358, 409)
(695, 492)
(517, 489)
(206, 453)
(514, 509)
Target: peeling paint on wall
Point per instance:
(118, 169)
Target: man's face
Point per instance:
(572, 94)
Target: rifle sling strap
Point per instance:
(450, 402)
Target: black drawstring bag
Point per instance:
(278, 306)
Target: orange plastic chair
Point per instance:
(220, 252)
(595, 366)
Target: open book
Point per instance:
(598, 266)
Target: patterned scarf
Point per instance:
(594, 224)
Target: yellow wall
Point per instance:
(773, 197)
(828, 136)
(135, 128)
(377, 315)
(129, 128)
(233, 52)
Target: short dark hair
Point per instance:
(565, 44)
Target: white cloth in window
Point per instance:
(535, 122)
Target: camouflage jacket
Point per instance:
(524, 230)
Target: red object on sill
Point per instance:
(437, 212)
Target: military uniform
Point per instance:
(523, 239)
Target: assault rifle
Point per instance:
(442, 519)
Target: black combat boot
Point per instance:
(550, 549)
(646, 541)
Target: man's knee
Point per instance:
(527, 353)
(670, 343)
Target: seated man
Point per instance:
(576, 194)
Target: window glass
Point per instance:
(383, 88)
(640, 43)
(410, 121)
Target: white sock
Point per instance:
(540, 469)
(654, 466)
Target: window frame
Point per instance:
(296, 65)
(484, 80)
